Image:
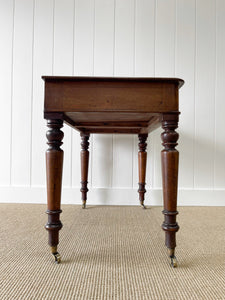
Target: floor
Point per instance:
(111, 252)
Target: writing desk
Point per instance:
(112, 105)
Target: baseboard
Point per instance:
(113, 196)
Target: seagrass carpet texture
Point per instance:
(111, 252)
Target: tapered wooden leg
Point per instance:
(54, 167)
(170, 157)
(84, 156)
(142, 160)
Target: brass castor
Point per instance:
(173, 259)
(84, 205)
(56, 255)
(173, 262)
(142, 204)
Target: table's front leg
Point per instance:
(170, 157)
(54, 166)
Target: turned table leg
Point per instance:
(54, 166)
(142, 161)
(84, 156)
(170, 157)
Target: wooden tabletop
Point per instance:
(111, 104)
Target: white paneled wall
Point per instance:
(172, 38)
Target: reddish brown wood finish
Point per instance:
(142, 161)
(84, 156)
(170, 157)
(54, 166)
(112, 105)
(99, 94)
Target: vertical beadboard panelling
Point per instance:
(42, 62)
(205, 94)
(103, 66)
(219, 169)
(164, 64)
(6, 33)
(165, 38)
(76, 173)
(121, 38)
(185, 68)
(102, 161)
(84, 34)
(144, 66)
(124, 37)
(124, 66)
(104, 38)
(83, 66)
(63, 65)
(145, 38)
(122, 161)
(22, 92)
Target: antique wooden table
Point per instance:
(112, 105)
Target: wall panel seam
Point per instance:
(114, 50)
(11, 106)
(155, 8)
(71, 131)
(215, 90)
(134, 72)
(175, 40)
(134, 46)
(93, 73)
(93, 67)
(32, 95)
(194, 112)
(114, 37)
(53, 38)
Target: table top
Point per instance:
(111, 104)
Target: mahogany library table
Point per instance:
(112, 105)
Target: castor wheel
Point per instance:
(173, 259)
(84, 205)
(142, 204)
(56, 255)
(57, 258)
(173, 262)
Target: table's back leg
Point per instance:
(54, 166)
(142, 161)
(170, 157)
(84, 156)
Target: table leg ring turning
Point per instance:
(142, 162)
(54, 165)
(170, 158)
(84, 157)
